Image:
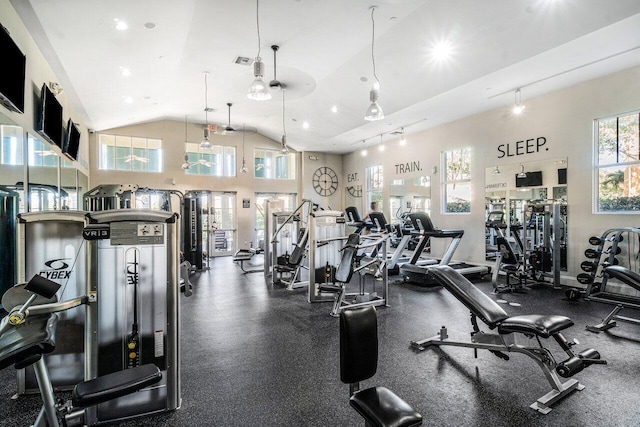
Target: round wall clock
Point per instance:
(325, 181)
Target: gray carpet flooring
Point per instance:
(256, 354)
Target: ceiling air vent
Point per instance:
(242, 60)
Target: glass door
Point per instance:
(223, 224)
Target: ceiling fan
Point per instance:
(133, 158)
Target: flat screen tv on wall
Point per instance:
(50, 123)
(13, 73)
(71, 141)
(533, 179)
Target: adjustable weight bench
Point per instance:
(504, 341)
(620, 301)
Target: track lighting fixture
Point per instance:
(374, 112)
(258, 91)
(186, 165)
(518, 106)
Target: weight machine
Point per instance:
(291, 233)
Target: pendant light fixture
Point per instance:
(258, 91)
(522, 173)
(403, 140)
(518, 106)
(374, 112)
(185, 165)
(285, 148)
(244, 168)
(206, 143)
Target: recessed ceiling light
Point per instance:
(364, 153)
(334, 109)
(125, 71)
(149, 25)
(128, 100)
(121, 25)
(305, 125)
(381, 148)
(441, 51)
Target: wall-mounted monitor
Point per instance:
(13, 73)
(50, 123)
(533, 179)
(562, 176)
(71, 140)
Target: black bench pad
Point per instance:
(114, 385)
(536, 324)
(625, 275)
(33, 338)
(379, 406)
(473, 298)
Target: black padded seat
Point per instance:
(114, 385)
(379, 406)
(24, 344)
(625, 275)
(542, 325)
(473, 298)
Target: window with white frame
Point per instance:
(219, 160)
(618, 163)
(456, 165)
(374, 186)
(127, 153)
(273, 164)
(11, 147)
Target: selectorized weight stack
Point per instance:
(326, 234)
(132, 266)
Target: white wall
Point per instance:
(564, 118)
(37, 73)
(172, 134)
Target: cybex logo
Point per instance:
(59, 269)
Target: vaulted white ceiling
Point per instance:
(325, 59)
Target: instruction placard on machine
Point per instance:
(136, 233)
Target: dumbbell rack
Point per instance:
(607, 246)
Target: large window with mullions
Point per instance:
(617, 169)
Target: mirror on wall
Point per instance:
(409, 195)
(83, 187)
(68, 185)
(42, 163)
(508, 188)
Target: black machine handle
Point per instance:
(42, 286)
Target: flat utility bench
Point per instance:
(626, 276)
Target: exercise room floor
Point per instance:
(254, 354)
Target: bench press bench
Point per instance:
(530, 326)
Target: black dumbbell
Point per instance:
(573, 294)
(595, 240)
(618, 250)
(585, 278)
(589, 266)
(592, 253)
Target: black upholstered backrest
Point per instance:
(473, 298)
(508, 256)
(345, 268)
(24, 343)
(625, 275)
(358, 344)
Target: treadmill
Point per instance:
(419, 274)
